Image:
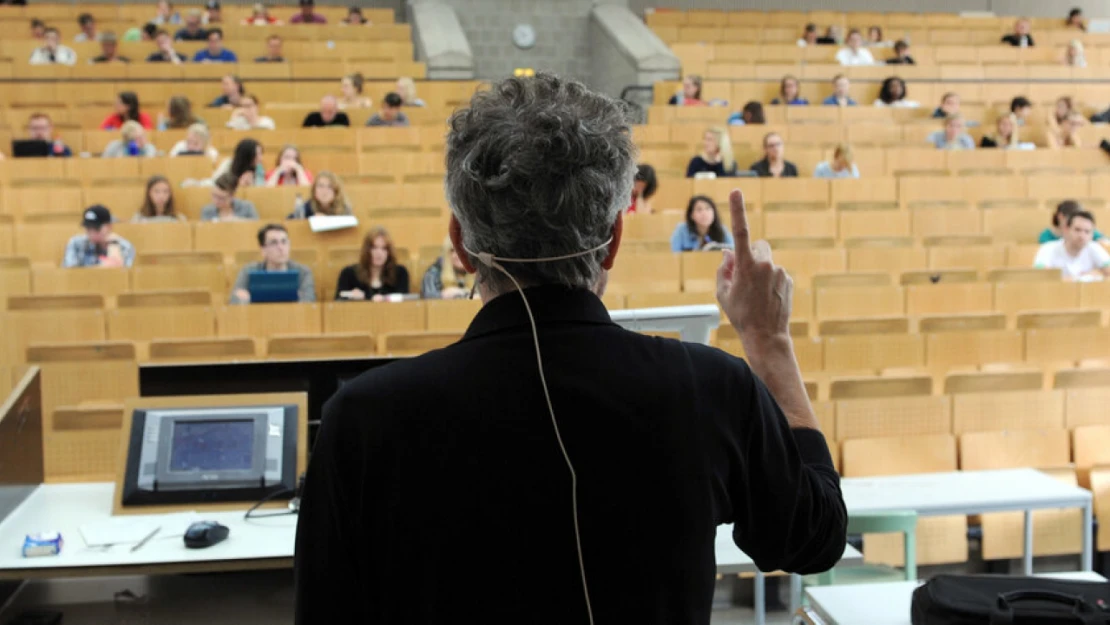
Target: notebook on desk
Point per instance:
(273, 286)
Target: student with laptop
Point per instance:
(40, 139)
(275, 278)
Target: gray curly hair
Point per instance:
(540, 167)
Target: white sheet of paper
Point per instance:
(325, 223)
(124, 530)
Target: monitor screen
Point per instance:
(212, 445)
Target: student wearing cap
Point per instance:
(308, 14)
(273, 241)
(109, 49)
(215, 52)
(99, 246)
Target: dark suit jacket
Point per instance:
(762, 168)
(437, 493)
(1015, 40)
(316, 120)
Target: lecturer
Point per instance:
(439, 491)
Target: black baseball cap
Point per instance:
(212, 5)
(96, 216)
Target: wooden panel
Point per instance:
(1066, 344)
(1055, 532)
(376, 318)
(1015, 410)
(1013, 298)
(879, 301)
(651, 273)
(265, 320)
(1091, 447)
(944, 350)
(451, 315)
(53, 280)
(415, 343)
(994, 381)
(980, 451)
(161, 322)
(854, 388)
(202, 350)
(941, 298)
(348, 345)
(881, 351)
(888, 416)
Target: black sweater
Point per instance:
(348, 280)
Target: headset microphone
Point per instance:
(494, 262)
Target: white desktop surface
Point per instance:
(65, 508)
(731, 560)
(886, 603)
(961, 492)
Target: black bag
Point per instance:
(1005, 600)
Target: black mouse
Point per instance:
(205, 534)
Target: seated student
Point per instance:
(842, 165)
(192, 31)
(834, 35)
(716, 155)
(247, 116)
(273, 240)
(1022, 108)
(406, 88)
(773, 164)
(809, 36)
(164, 52)
(274, 52)
(354, 17)
(390, 113)
(40, 128)
(212, 13)
(99, 246)
(196, 143)
(447, 277)
(853, 53)
(179, 115)
(328, 115)
(1020, 38)
(157, 203)
(308, 14)
(350, 90)
(893, 94)
(901, 54)
(690, 95)
(231, 93)
(1075, 20)
(789, 93)
(875, 38)
(87, 23)
(215, 52)
(701, 228)
(225, 206)
(53, 52)
(841, 90)
(146, 32)
(644, 186)
(260, 16)
(1074, 55)
(953, 136)
(1066, 133)
(326, 198)
(132, 142)
(1076, 254)
(38, 29)
(949, 105)
(245, 164)
(164, 14)
(1005, 136)
(1054, 232)
(751, 114)
(377, 272)
(109, 49)
(127, 109)
(288, 169)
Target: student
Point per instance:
(893, 94)
(87, 23)
(157, 203)
(1020, 38)
(308, 14)
(447, 278)
(39, 127)
(38, 29)
(231, 93)
(390, 113)
(215, 52)
(127, 109)
(273, 241)
(1075, 20)
(354, 17)
(1059, 224)
(1073, 55)
(644, 186)
(273, 51)
(406, 88)
(841, 90)
(109, 49)
(875, 38)
(197, 142)
(377, 272)
(716, 155)
(328, 115)
(99, 246)
(165, 14)
(326, 198)
(789, 93)
(690, 95)
(245, 164)
(288, 169)
(247, 117)
(833, 36)
(901, 54)
(179, 114)
(1066, 133)
(752, 113)
(854, 53)
(1076, 255)
(701, 228)
(212, 12)
(260, 16)
(1021, 107)
(225, 206)
(774, 164)
(949, 105)
(953, 136)
(350, 89)
(1005, 136)
(841, 166)
(165, 52)
(192, 30)
(809, 36)
(53, 52)
(132, 142)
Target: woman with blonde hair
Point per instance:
(406, 88)
(132, 142)
(377, 272)
(447, 278)
(350, 92)
(197, 142)
(326, 198)
(842, 164)
(1005, 135)
(716, 155)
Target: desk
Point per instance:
(973, 492)
(730, 560)
(887, 603)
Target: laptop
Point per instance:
(273, 286)
(26, 148)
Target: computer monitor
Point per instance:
(24, 148)
(273, 286)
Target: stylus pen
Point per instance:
(145, 539)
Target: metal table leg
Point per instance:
(795, 592)
(760, 599)
(1087, 556)
(1027, 552)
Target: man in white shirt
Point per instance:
(855, 53)
(1076, 254)
(53, 52)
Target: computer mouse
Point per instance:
(205, 534)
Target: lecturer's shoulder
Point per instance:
(402, 380)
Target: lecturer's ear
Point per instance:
(615, 244)
(454, 230)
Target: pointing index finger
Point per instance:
(740, 226)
